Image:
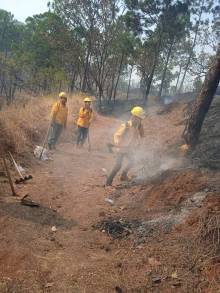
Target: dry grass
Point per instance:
(25, 124)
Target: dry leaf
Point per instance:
(174, 275)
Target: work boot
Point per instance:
(108, 181)
(109, 147)
(124, 177)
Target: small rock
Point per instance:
(122, 208)
(109, 200)
(54, 229)
(48, 285)
(156, 279)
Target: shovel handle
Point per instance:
(45, 140)
(9, 177)
(89, 143)
(16, 165)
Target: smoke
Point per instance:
(149, 163)
(157, 152)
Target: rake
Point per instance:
(22, 178)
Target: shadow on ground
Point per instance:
(40, 215)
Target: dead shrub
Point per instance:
(209, 230)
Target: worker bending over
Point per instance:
(126, 141)
(84, 121)
(59, 115)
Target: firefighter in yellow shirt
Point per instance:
(59, 115)
(84, 121)
(126, 141)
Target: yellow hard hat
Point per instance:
(87, 99)
(62, 95)
(139, 112)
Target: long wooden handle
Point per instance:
(9, 177)
(16, 165)
(45, 140)
(89, 143)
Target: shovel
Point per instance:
(22, 178)
(9, 177)
(45, 141)
(29, 202)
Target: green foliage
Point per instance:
(91, 45)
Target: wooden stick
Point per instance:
(89, 143)
(9, 177)
(16, 165)
(45, 140)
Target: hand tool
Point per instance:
(9, 177)
(22, 178)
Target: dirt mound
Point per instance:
(172, 189)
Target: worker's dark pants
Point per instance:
(54, 134)
(82, 135)
(118, 164)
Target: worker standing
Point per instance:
(126, 140)
(84, 121)
(59, 115)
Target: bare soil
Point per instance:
(160, 252)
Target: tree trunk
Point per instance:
(178, 79)
(117, 80)
(84, 82)
(202, 103)
(147, 90)
(191, 50)
(129, 83)
(73, 81)
(156, 56)
(165, 68)
(112, 87)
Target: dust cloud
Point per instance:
(158, 152)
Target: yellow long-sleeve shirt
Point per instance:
(128, 135)
(59, 113)
(85, 117)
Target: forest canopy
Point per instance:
(99, 47)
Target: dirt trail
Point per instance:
(78, 258)
(70, 191)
